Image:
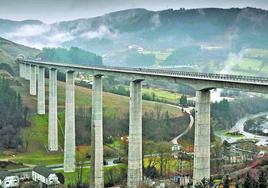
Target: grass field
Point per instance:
(36, 135)
(72, 178)
(246, 64)
(164, 95)
(252, 62)
(235, 135)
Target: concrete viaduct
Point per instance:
(34, 71)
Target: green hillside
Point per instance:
(73, 55)
(8, 52)
(36, 135)
(14, 49)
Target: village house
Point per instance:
(44, 177)
(7, 179)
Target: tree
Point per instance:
(226, 182)
(12, 117)
(167, 119)
(60, 177)
(262, 180)
(158, 110)
(250, 182)
(163, 150)
(183, 101)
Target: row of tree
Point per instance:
(13, 117)
(72, 56)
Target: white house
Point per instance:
(8, 180)
(44, 175)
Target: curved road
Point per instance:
(239, 126)
(188, 111)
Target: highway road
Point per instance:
(239, 126)
(262, 140)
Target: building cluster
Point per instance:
(176, 181)
(40, 175)
(182, 180)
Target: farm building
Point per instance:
(44, 176)
(8, 180)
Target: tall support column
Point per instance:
(69, 140)
(20, 70)
(52, 112)
(97, 175)
(134, 178)
(23, 70)
(41, 107)
(33, 80)
(202, 137)
(28, 71)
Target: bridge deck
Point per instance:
(156, 72)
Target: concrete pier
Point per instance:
(23, 70)
(41, 104)
(202, 137)
(134, 177)
(69, 140)
(28, 71)
(33, 80)
(20, 69)
(97, 174)
(52, 112)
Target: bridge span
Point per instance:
(33, 71)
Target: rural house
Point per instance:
(44, 176)
(8, 180)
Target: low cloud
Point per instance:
(59, 38)
(39, 36)
(100, 33)
(201, 12)
(155, 20)
(29, 31)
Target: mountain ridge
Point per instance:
(114, 33)
(37, 21)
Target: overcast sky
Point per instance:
(57, 10)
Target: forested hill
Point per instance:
(72, 56)
(8, 52)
